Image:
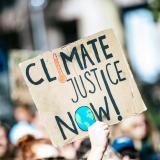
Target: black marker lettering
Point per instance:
(50, 79)
(28, 75)
(107, 66)
(94, 88)
(85, 92)
(66, 58)
(94, 71)
(104, 47)
(93, 43)
(101, 111)
(118, 72)
(60, 122)
(74, 100)
(110, 95)
(85, 55)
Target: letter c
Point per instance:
(29, 77)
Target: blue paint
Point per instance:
(84, 117)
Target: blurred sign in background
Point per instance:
(48, 24)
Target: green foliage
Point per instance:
(155, 5)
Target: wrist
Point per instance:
(96, 153)
(98, 149)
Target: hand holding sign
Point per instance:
(98, 134)
(80, 83)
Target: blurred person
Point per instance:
(84, 148)
(21, 129)
(25, 115)
(6, 150)
(24, 112)
(146, 139)
(68, 151)
(126, 149)
(30, 148)
(111, 154)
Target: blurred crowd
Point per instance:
(47, 24)
(26, 139)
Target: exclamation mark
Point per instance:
(62, 77)
(111, 97)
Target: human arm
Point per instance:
(98, 134)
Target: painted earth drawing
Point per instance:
(84, 117)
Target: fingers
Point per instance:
(98, 125)
(98, 134)
(105, 127)
(106, 131)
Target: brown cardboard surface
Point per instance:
(72, 86)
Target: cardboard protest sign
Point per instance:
(19, 90)
(75, 85)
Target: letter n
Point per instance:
(60, 122)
